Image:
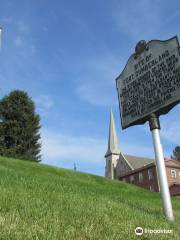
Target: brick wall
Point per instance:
(145, 180)
(175, 190)
(171, 177)
(141, 177)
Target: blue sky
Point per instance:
(66, 55)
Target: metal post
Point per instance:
(164, 188)
(75, 168)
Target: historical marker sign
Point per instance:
(150, 82)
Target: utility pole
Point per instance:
(75, 168)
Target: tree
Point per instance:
(19, 127)
(176, 154)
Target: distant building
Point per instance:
(137, 170)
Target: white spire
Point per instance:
(113, 141)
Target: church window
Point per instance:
(173, 173)
(150, 175)
(140, 177)
(132, 178)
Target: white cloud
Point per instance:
(7, 20)
(138, 150)
(138, 19)
(57, 146)
(98, 94)
(18, 41)
(32, 49)
(63, 150)
(44, 103)
(97, 83)
(23, 27)
(24, 39)
(45, 29)
(170, 128)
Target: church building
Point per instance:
(140, 171)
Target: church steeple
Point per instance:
(112, 141)
(112, 154)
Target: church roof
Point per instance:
(112, 141)
(137, 162)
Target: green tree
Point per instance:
(19, 127)
(176, 154)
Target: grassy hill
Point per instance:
(42, 202)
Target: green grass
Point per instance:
(42, 202)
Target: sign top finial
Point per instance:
(150, 81)
(140, 47)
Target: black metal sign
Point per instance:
(150, 81)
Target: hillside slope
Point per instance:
(42, 202)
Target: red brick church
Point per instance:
(137, 170)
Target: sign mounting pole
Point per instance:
(164, 188)
(149, 86)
